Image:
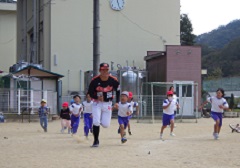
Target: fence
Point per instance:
(154, 93)
(14, 101)
(228, 84)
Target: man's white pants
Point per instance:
(102, 113)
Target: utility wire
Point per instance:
(139, 26)
(6, 42)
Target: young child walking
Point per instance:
(43, 114)
(65, 118)
(75, 109)
(169, 105)
(135, 108)
(219, 104)
(87, 115)
(124, 111)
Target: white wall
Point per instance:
(127, 35)
(7, 35)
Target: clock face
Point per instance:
(117, 4)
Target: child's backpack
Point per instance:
(1, 117)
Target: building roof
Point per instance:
(34, 71)
(149, 57)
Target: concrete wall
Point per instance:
(184, 64)
(7, 35)
(126, 35)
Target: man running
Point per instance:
(101, 91)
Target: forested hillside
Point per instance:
(221, 50)
(218, 38)
(223, 62)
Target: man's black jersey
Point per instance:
(98, 87)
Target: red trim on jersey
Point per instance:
(115, 78)
(95, 77)
(104, 89)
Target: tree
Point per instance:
(215, 74)
(186, 36)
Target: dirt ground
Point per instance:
(25, 145)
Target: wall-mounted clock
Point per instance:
(117, 4)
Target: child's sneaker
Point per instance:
(161, 136)
(124, 140)
(172, 134)
(129, 132)
(216, 136)
(69, 130)
(45, 129)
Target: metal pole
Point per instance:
(196, 101)
(96, 41)
(19, 95)
(33, 54)
(8, 101)
(80, 81)
(23, 56)
(68, 82)
(152, 103)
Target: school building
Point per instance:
(8, 37)
(59, 34)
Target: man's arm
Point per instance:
(117, 89)
(91, 90)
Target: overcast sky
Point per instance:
(207, 15)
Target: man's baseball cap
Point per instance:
(130, 95)
(65, 104)
(169, 93)
(104, 66)
(125, 93)
(43, 101)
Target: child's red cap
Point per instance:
(169, 93)
(65, 104)
(130, 95)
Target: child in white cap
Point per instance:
(43, 114)
(124, 111)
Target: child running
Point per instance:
(65, 118)
(76, 109)
(219, 104)
(134, 106)
(43, 114)
(169, 105)
(87, 115)
(124, 111)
